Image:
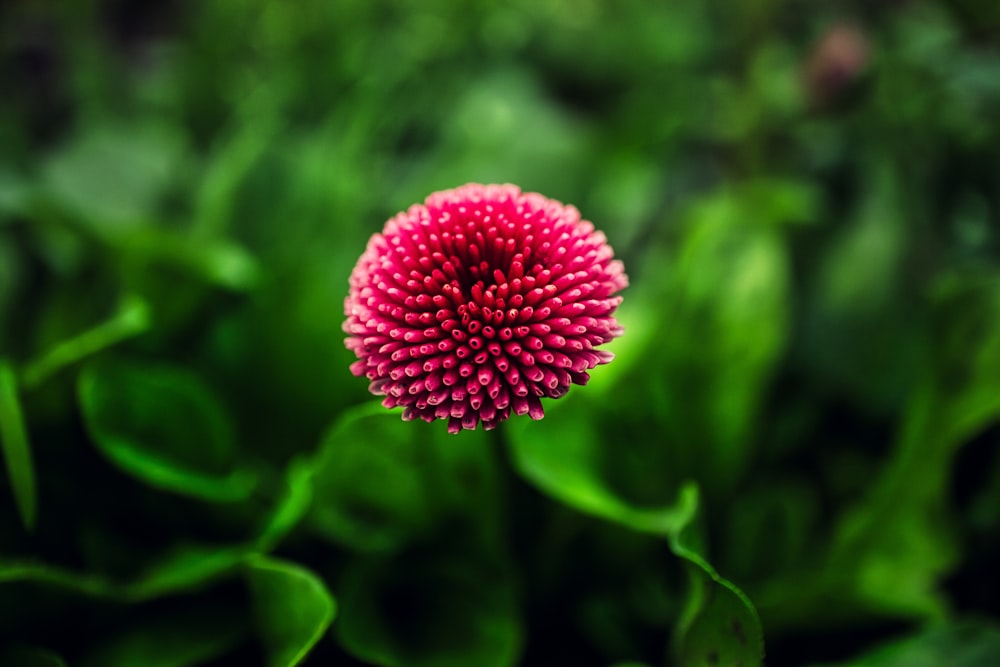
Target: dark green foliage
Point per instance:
(795, 449)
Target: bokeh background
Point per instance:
(797, 444)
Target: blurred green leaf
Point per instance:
(564, 455)
(858, 328)
(368, 488)
(292, 506)
(720, 625)
(957, 644)
(15, 192)
(725, 311)
(132, 319)
(293, 608)
(780, 201)
(162, 425)
(380, 482)
(227, 167)
(504, 114)
(420, 609)
(216, 261)
(627, 193)
(185, 568)
(30, 657)
(32, 572)
(11, 279)
(196, 636)
(113, 177)
(965, 355)
(785, 509)
(776, 77)
(17, 448)
(900, 540)
(559, 454)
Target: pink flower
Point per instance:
(480, 302)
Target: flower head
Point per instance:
(480, 302)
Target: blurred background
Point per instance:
(801, 422)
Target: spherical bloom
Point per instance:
(480, 302)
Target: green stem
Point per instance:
(131, 320)
(16, 448)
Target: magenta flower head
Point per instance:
(479, 303)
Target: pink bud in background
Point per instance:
(837, 61)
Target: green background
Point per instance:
(794, 451)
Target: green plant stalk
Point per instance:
(131, 320)
(16, 448)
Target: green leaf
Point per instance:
(216, 261)
(227, 168)
(39, 573)
(368, 486)
(959, 644)
(898, 541)
(12, 280)
(132, 319)
(506, 114)
(723, 328)
(112, 178)
(857, 329)
(428, 609)
(16, 448)
(380, 482)
(292, 506)
(162, 425)
(30, 657)
(195, 636)
(15, 192)
(564, 455)
(183, 569)
(292, 606)
(720, 625)
(561, 455)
